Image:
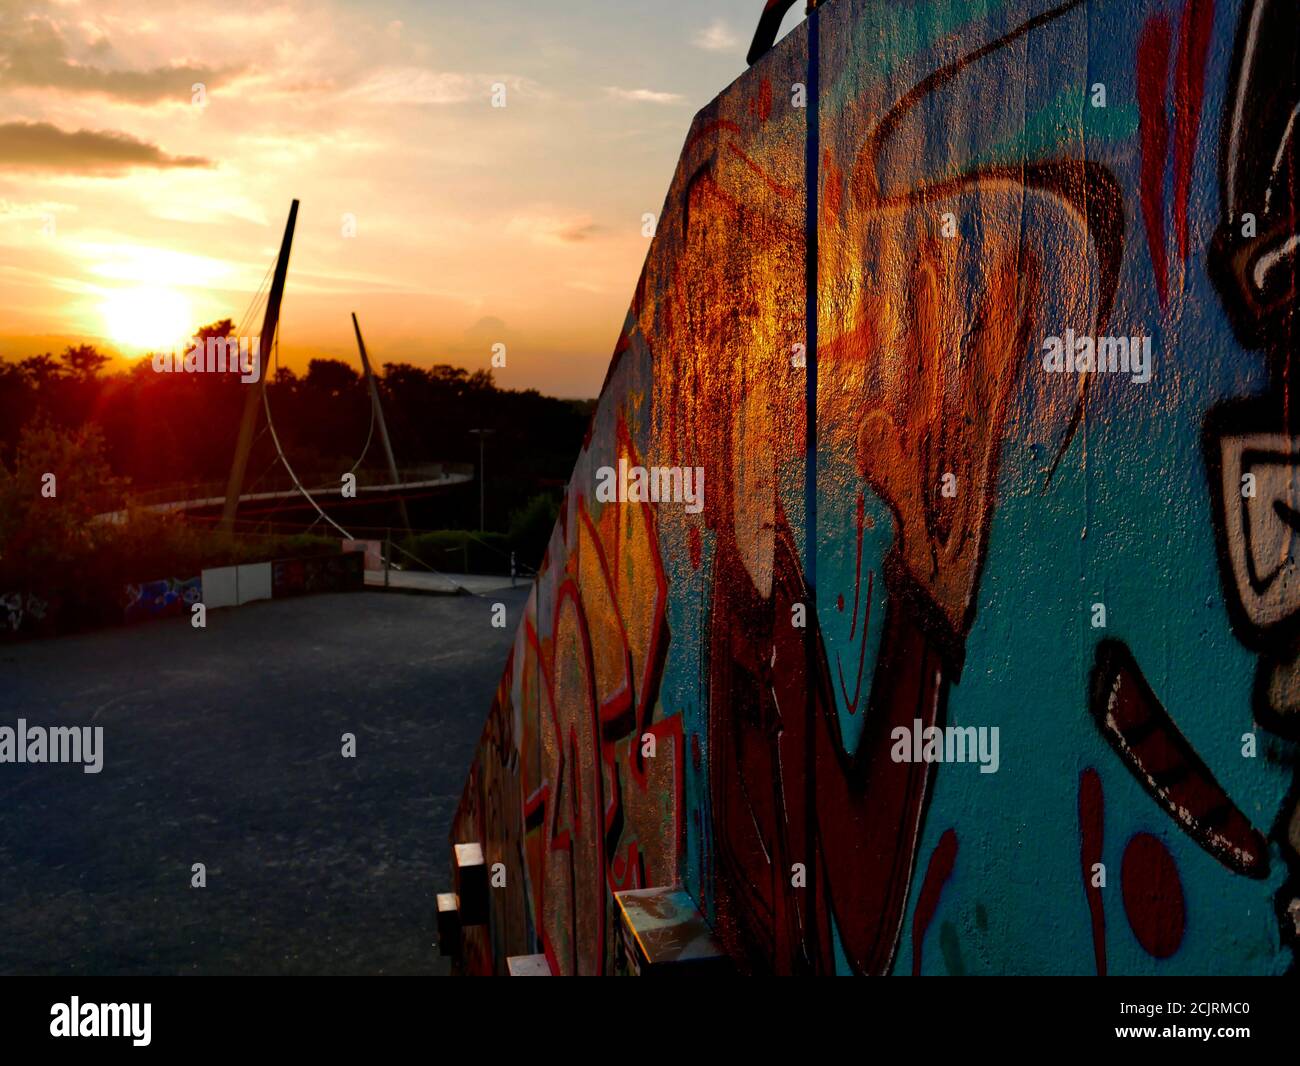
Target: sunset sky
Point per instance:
(130, 214)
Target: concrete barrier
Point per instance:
(230, 586)
(974, 324)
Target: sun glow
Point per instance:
(148, 318)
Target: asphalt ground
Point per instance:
(223, 746)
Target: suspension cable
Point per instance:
(266, 404)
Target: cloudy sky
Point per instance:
(149, 152)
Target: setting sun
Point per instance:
(148, 318)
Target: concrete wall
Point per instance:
(1098, 566)
(232, 586)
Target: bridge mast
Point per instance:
(379, 417)
(266, 339)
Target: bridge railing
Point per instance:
(279, 481)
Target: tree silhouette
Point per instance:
(84, 361)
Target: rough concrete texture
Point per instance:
(1050, 489)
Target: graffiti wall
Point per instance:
(23, 613)
(991, 665)
(167, 598)
(310, 574)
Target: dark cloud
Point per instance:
(33, 54)
(40, 145)
(579, 231)
(487, 324)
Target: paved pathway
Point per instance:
(222, 746)
(451, 584)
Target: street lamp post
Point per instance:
(482, 436)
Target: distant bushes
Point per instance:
(64, 565)
(457, 551)
(60, 479)
(149, 545)
(180, 429)
(67, 570)
(530, 528)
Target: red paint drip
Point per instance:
(696, 547)
(857, 567)
(866, 621)
(764, 101)
(1153, 133)
(1091, 828)
(1189, 94)
(832, 189)
(937, 873)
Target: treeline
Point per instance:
(163, 429)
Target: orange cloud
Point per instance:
(43, 146)
(36, 56)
